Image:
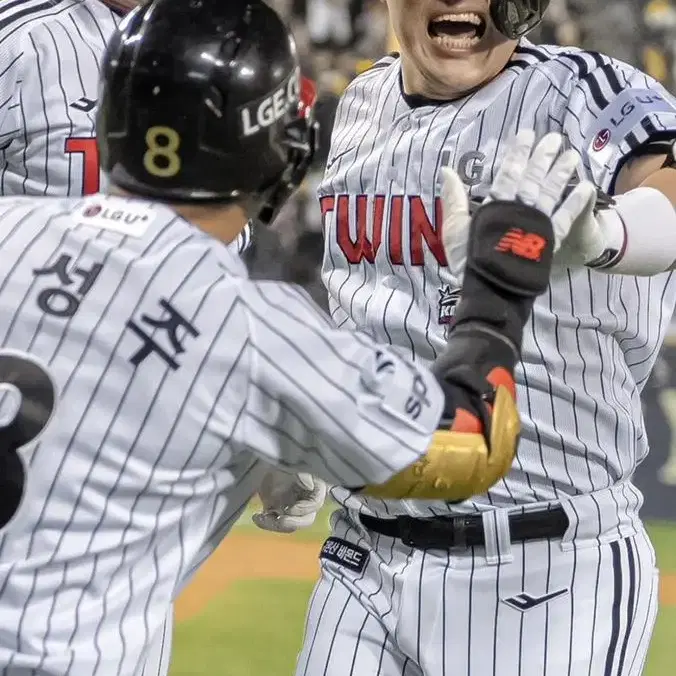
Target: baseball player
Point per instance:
(551, 570)
(51, 53)
(147, 383)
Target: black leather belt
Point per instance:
(466, 530)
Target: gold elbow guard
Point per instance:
(459, 465)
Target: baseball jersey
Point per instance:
(592, 338)
(49, 73)
(147, 384)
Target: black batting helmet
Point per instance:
(202, 100)
(514, 18)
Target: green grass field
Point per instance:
(255, 627)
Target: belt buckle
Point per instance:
(460, 524)
(405, 526)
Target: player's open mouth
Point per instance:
(457, 31)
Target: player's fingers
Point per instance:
(292, 523)
(454, 197)
(556, 182)
(305, 481)
(513, 166)
(535, 175)
(273, 522)
(303, 507)
(266, 521)
(281, 523)
(311, 487)
(569, 214)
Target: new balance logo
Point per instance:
(84, 104)
(524, 602)
(523, 244)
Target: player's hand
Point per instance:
(533, 175)
(290, 501)
(589, 241)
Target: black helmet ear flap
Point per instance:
(515, 18)
(301, 137)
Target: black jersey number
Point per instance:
(19, 374)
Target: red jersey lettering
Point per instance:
(354, 210)
(89, 150)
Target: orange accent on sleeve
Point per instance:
(466, 422)
(501, 376)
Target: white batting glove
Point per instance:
(536, 177)
(590, 237)
(290, 501)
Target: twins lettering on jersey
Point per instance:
(89, 150)
(353, 212)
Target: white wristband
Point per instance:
(649, 222)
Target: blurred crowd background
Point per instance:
(340, 38)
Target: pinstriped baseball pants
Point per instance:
(541, 611)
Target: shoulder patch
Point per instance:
(621, 116)
(125, 217)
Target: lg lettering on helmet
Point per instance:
(265, 112)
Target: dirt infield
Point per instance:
(250, 557)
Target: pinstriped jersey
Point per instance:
(592, 339)
(49, 71)
(146, 384)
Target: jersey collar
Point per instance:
(418, 101)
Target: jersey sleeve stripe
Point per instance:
(5, 102)
(613, 80)
(534, 52)
(583, 67)
(7, 19)
(649, 126)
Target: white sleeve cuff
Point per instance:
(649, 222)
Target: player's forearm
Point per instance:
(663, 180)
(460, 464)
(478, 433)
(640, 229)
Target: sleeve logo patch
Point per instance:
(601, 140)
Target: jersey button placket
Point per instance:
(400, 127)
